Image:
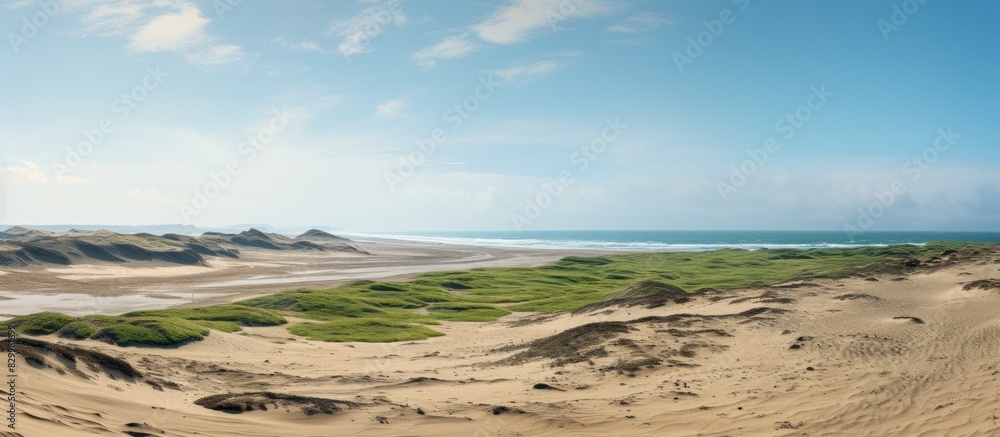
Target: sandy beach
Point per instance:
(872, 354)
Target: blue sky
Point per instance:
(550, 114)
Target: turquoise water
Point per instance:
(681, 240)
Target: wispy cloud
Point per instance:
(357, 32)
(113, 19)
(29, 173)
(568, 53)
(171, 32)
(217, 56)
(524, 74)
(176, 26)
(390, 108)
(452, 47)
(14, 4)
(304, 45)
(642, 22)
(523, 18)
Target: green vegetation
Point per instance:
(462, 312)
(146, 330)
(372, 331)
(159, 327)
(393, 311)
(119, 330)
(237, 314)
(39, 324)
(79, 330)
(219, 326)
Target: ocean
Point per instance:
(679, 240)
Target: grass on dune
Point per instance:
(156, 327)
(161, 331)
(39, 324)
(113, 329)
(236, 314)
(78, 329)
(395, 311)
(366, 330)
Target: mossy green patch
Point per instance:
(238, 314)
(161, 331)
(39, 324)
(79, 330)
(372, 331)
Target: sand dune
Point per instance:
(21, 247)
(827, 357)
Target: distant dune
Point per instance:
(316, 235)
(20, 246)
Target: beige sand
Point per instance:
(255, 272)
(872, 374)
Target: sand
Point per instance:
(911, 356)
(119, 288)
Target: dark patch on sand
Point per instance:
(856, 296)
(251, 401)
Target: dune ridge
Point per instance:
(21, 247)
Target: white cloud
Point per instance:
(452, 47)
(29, 173)
(390, 108)
(172, 32)
(522, 18)
(642, 22)
(357, 32)
(523, 74)
(174, 26)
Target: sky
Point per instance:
(502, 115)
